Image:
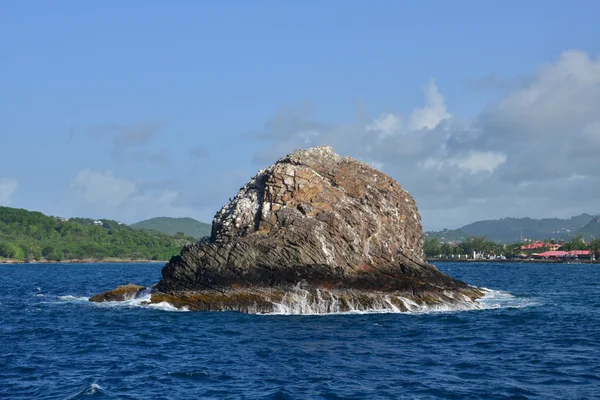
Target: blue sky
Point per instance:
(129, 110)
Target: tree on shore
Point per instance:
(577, 243)
(595, 247)
(480, 245)
(474, 244)
(28, 236)
(12, 251)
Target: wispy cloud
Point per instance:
(108, 194)
(132, 142)
(8, 187)
(544, 131)
(136, 135)
(430, 116)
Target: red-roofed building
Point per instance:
(540, 245)
(533, 246)
(565, 254)
(553, 254)
(580, 253)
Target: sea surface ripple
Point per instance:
(538, 337)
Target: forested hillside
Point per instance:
(509, 230)
(27, 235)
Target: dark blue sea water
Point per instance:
(542, 342)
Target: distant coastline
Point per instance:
(509, 261)
(30, 235)
(429, 260)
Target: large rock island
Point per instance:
(313, 233)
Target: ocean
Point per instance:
(536, 336)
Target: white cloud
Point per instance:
(432, 114)
(479, 161)
(8, 186)
(103, 193)
(428, 117)
(551, 125)
(386, 125)
(102, 188)
(561, 97)
(533, 152)
(474, 162)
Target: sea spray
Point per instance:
(300, 301)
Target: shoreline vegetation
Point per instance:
(429, 260)
(83, 261)
(478, 248)
(29, 236)
(512, 261)
(32, 237)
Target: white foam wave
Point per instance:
(302, 302)
(141, 301)
(321, 302)
(494, 299)
(94, 387)
(164, 306)
(72, 298)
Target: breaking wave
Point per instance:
(494, 299)
(304, 302)
(72, 298)
(89, 390)
(142, 301)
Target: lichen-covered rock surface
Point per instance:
(314, 232)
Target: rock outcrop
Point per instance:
(120, 293)
(314, 232)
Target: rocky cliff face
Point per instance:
(317, 232)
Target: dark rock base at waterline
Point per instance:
(300, 300)
(120, 293)
(316, 301)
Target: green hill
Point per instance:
(591, 231)
(510, 230)
(29, 235)
(172, 226)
